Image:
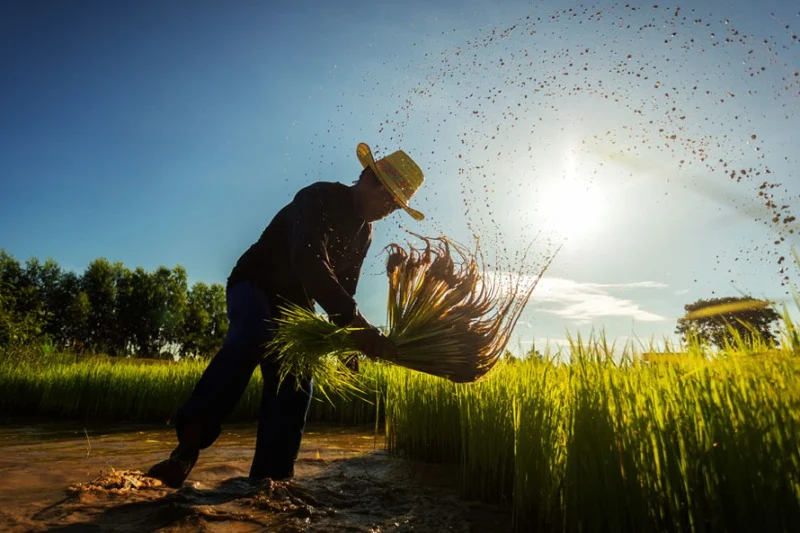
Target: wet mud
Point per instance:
(63, 479)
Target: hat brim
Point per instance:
(366, 159)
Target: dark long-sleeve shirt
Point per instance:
(311, 251)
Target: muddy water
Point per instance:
(59, 478)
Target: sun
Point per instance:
(572, 206)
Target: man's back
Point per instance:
(312, 250)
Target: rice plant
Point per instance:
(619, 444)
(110, 389)
(422, 416)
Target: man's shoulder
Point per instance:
(331, 187)
(323, 190)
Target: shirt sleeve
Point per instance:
(311, 231)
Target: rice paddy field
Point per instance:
(690, 443)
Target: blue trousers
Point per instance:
(283, 410)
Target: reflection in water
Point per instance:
(63, 478)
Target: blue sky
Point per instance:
(163, 133)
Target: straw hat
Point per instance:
(398, 173)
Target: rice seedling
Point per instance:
(309, 345)
(445, 316)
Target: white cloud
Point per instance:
(583, 302)
(579, 302)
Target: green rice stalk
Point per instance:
(309, 345)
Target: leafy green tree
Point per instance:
(109, 308)
(7, 300)
(30, 300)
(128, 311)
(99, 284)
(21, 309)
(206, 323)
(151, 309)
(48, 281)
(76, 325)
(32, 305)
(7, 319)
(10, 272)
(138, 313)
(168, 305)
(197, 321)
(217, 311)
(718, 321)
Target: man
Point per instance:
(312, 251)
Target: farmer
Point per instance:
(311, 251)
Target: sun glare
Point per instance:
(572, 206)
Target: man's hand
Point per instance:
(370, 341)
(352, 364)
(374, 344)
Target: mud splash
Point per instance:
(65, 480)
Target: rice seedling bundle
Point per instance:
(445, 316)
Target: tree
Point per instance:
(30, 300)
(99, 284)
(169, 305)
(151, 309)
(718, 321)
(8, 330)
(49, 283)
(109, 309)
(21, 309)
(128, 312)
(217, 311)
(139, 314)
(205, 323)
(197, 323)
(76, 325)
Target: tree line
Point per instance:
(109, 309)
(112, 309)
